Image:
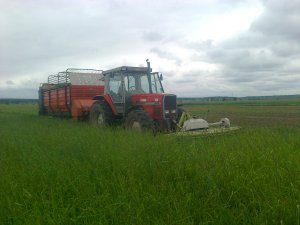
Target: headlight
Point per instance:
(173, 111)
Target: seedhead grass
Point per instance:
(57, 171)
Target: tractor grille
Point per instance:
(170, 106)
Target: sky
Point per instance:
(202, 47)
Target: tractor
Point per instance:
(133, 96)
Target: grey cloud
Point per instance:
(282, 7)
(41, 37)
(10, 82)
(18, 92)
(280, 26)
(167, 55)
(152, 36)
(280, 20)
(190, 77)
(261, 67)
(241, 78)
(27, 88)
(38, 35)
(286, 49)
(247, 60)
(281, 47)
(257, 57)
(270, 85)
(57, 33)
(198, 57)
(200, 46)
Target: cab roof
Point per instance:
(126, 69)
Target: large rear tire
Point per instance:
(139, 120)
(100, 114)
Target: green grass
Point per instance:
(56, 171)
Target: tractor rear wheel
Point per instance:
(139, 120)
(100, 114)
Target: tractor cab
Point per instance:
(123, 83)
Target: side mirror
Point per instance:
(161, 76)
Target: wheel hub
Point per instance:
(100, 119)
(136, 125)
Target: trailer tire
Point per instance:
(139, 120)
(100, 114)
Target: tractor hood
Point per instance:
(149, 99)
(158, 105)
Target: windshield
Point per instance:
(156, 83)
(137, 83)
(115, 87)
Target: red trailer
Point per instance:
(70, 93)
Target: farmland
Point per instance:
(57, 171)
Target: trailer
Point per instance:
(69, 93)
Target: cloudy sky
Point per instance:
(202, 47)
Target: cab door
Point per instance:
(114, 87)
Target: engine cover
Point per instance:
(195, 124)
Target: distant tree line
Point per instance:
(180, 99)
(226, 98)
(17, 101)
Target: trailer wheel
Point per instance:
(100, 114)
(139, 120)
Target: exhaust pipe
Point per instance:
(149, 75)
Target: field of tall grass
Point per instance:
(57, 171)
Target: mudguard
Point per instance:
(80, 107)
(108, 100)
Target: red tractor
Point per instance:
(133, 96)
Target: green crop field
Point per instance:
(57, 171)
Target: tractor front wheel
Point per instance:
(100, 114)
(139, 120)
